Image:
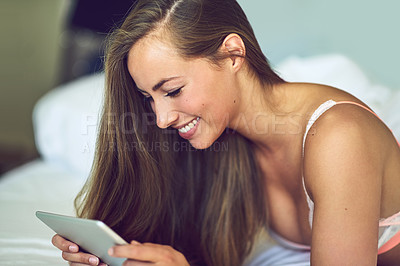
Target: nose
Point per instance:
(165, 116)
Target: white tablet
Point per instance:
(93, 236)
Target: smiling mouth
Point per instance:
(189, 126)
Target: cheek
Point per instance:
(192, 104)
(210, 109)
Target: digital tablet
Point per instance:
(93, 236)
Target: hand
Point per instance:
(70, 252)
(147, 253)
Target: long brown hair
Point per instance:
(150, 185)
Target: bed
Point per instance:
(65, 122)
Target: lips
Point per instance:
(189, 129)
(189, 126)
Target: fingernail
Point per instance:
(93, 260)
(111, 251)
(73, 248)
(133, 242)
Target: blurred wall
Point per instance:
(29, 53)
(366, 31)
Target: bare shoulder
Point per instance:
(349, 168)
(343, 170)
(347, 124)
(346, 135)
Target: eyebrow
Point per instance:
(158, 85)
(161, 83)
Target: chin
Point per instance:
(198, 145)
(203, 144)
(207, 139)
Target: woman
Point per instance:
(328, 186)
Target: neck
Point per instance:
(268, 115)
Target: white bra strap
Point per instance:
(320, 110)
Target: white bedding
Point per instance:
(65, 121)
(38, 185)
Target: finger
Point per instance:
(136, 263)
(147, 252)
(81, 264)
(80, 258)
(63, 244)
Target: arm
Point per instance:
(343, 170)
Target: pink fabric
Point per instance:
(390, 220)
(394, 241)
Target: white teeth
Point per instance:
(189, 126)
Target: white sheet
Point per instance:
(280, 256)
(24, 240)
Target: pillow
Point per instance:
(339, 71)
(65, 123)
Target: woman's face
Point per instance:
(192, 96)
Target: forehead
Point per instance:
(151, 59)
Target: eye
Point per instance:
(174, 93)
(148, 98)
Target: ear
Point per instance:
(234, 46)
